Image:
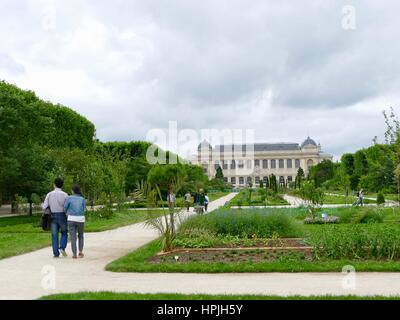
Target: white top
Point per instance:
(76, 218)
(55, 200)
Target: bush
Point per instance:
(380, 198)
(368, 215)
(356, 242)
(103, 213)
(244, 223)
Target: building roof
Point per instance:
(260, 147)
(308, 141)
(204, 145)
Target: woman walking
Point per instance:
(75, 207)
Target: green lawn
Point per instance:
(390, 196)
(12, 244)
(22, 234)
(139, 260)
(180, 202)
(241, 199)
(338, 199)
(171, 296)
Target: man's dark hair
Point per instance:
(59, 183)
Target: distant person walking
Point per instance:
(187, 198)
(92, 204)
(206, 201)
(75, 207)
(55, 202)
(360, 198)
(200, 201)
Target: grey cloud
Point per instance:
(209, 64)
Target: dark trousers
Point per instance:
(76, 227)
(59, 224)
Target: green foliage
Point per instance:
(313, 196)
(322, 172)
(24, 171)
(243, 223)
(356, 242)
(219, 174)
(367, 215)
(165, 175)
(26, 118)
(380, 198)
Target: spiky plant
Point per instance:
(166, 223)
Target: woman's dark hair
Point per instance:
(77, 190)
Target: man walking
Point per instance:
(55, 202)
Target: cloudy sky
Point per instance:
(286, 69)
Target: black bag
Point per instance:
(45, 221)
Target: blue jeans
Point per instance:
(59, 224)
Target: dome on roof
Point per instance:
(308, 142)
(204, 145)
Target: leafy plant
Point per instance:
(380, 198)
(368, 215)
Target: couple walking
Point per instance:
(68, 212)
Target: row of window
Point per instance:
(265, 164)
(241, 180)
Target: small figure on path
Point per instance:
(360, 198)
(206, 201)
(200, 201)
(75, 207)
(187, 198)
(92, 204)
(55, 202)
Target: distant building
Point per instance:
(251, 163)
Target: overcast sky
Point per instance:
(287, 69)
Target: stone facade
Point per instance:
(250, 163)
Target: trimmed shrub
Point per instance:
(368, 215)
(380, 199)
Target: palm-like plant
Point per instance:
(166, 223)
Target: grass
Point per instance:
(22, 234)
(382, 237)
(212, 196)
(338, 199)
(390, 196)
(106, 295)
(137, 261)
(241, 199)
(245, 223)
(12, 244)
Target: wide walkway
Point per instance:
(35, 274)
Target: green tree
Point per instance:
(322, 172)
(219, 174)
(299, 178)
(23, 172)
(313, 196)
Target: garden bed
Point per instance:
(237, 255)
